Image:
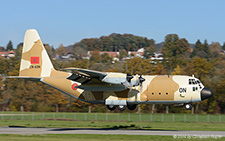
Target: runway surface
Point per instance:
(25, 130)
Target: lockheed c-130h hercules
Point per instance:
(115, 90)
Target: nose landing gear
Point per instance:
(188, 106)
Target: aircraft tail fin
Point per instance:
(35, 61)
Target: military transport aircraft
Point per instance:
(115, 90)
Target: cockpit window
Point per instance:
(195, 81)
(192, 81)
(189, 81)
(195, 88)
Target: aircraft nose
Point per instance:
(206, 93)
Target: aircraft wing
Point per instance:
(93, 80)
(85, 75)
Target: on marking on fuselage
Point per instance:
(183, 90)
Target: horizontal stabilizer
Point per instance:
(24, 77)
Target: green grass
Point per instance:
(113, 117)
(109, 120)
(116, 125)
(86, 137)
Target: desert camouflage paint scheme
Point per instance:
(105, 87)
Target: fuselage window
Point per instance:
(193, 88)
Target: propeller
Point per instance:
(128, 83)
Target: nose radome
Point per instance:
(206, 93)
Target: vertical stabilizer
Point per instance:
(35, 61)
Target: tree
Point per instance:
(137, 65)
(149, 51)
(201, 50)
(200, 67)
(95, 56)
(79, 50)
(177, 71)
(198, 47)
(60, 50)
(182, 47)
(214, 50)
(123, 54)
(115, 42)
(206, 48)
(174, 50)
(9, 46)
(49, 49)
(223, 47)
(174, 47)
(105, 58)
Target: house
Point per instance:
(139, 53)
(68, 56)
(135, 54)
(222, 52)
(7, 54)
(114, 55)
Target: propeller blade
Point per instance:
(141, 80)
(128, 83)
(130, 89)
(129, 77)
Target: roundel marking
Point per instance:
(74, 86)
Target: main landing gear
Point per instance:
(121, 107)
(111, 107)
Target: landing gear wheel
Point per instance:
(188, 106)
(121, 107)
(111, 107)
(132, 107)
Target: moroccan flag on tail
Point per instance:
(34, 60)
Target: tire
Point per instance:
(121, 107)
(188, 106)
(132, 107)
(111, 107)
